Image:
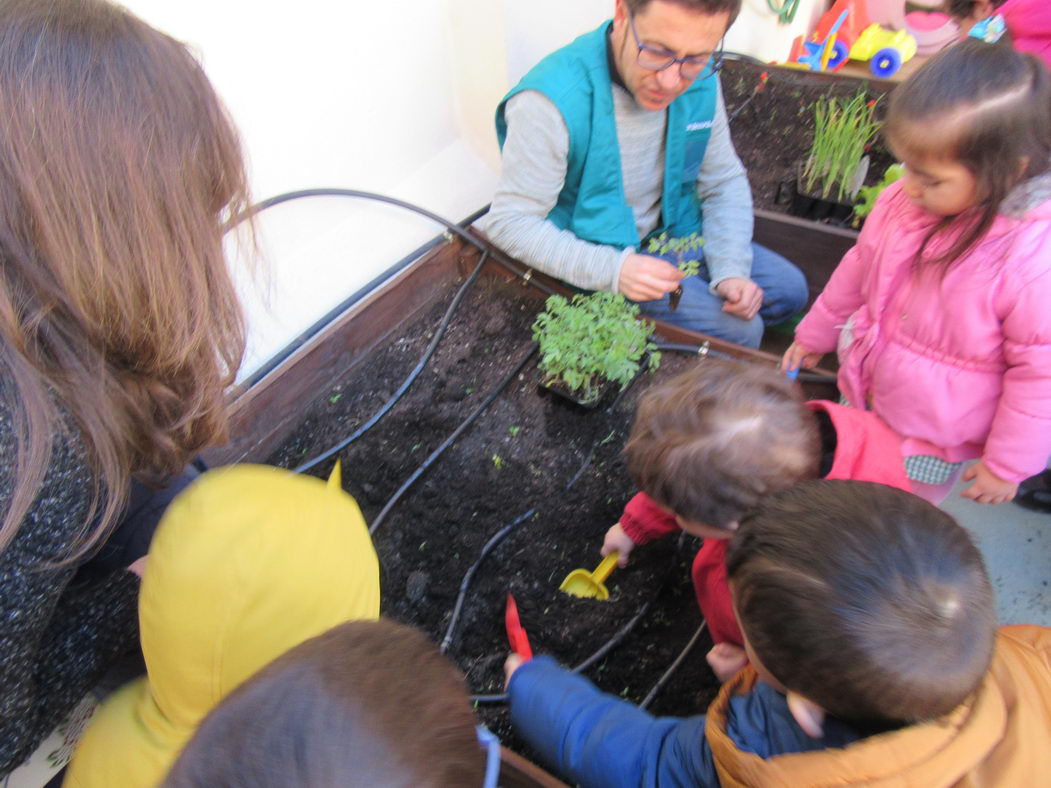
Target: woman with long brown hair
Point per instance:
(120, 329)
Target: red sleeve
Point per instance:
(643, 520)
(713, 592)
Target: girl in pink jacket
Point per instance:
(1028, 21)
(942, 311)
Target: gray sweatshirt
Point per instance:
(535, 157)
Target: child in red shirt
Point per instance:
(710, 443)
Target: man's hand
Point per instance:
(617, 540)
(797, 357)
(742, 297)
(987, 487)
(646, 278)
(725, 660)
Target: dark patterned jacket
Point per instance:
(57, 637)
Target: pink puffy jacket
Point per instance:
(1029, 23)
(959, 366)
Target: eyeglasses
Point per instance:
(690, 67)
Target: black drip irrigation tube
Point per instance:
(674, 667)
(498, 537)
(704, 351)
(452, 228)
(374, 196)
(602, 651)
(494, 540)
(428, 353)
(451, 439)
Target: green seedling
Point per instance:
(335, 398)
(498, 461)
(679, 247)
(514, 431)
(843, 129)
(869, 194)
(591, 339)
(663, 245)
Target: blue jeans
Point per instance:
(784, 294)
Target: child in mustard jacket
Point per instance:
(869, 623)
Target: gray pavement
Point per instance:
(1016, 544)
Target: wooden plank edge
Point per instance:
(265, 414)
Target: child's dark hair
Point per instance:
(366, 703)
(965, 9)
(985, 106)
(709, 443)
(864, 599)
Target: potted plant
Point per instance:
(836, 165)
(867, 195)
(589, 340)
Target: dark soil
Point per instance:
(522, 454)
(772, 130)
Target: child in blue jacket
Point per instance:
(869, 624)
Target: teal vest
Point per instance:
(591, 204)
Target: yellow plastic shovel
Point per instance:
(582, 583)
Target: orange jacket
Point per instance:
(1001, 736)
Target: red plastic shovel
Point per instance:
(516, 634)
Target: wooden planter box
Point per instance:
(815, 247)
(268, 412)
(265, 414)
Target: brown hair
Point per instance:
(994, 105)
(366, 703)
(118, 169)
(709, 443)
(863, 598)
(711, 7)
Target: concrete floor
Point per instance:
(1016, 544)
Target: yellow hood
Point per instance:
(247, 563)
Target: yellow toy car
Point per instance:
(885, 49)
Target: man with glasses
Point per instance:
(621, 136)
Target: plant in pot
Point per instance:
(836, 166)
(661, 245)
(590, 343)
(868, 195)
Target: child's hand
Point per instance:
(798, 357)
(511, 664)
(617, 540)
(987, 487)
(726, 660)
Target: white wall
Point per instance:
(384, 96)
(392, 96)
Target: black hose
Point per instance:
(604, 649)
(674, 666)
(621, 633)
(449, 441)
(505, 530)
(336, 192)
(428, 353)
(704, 350)
(494, 540)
